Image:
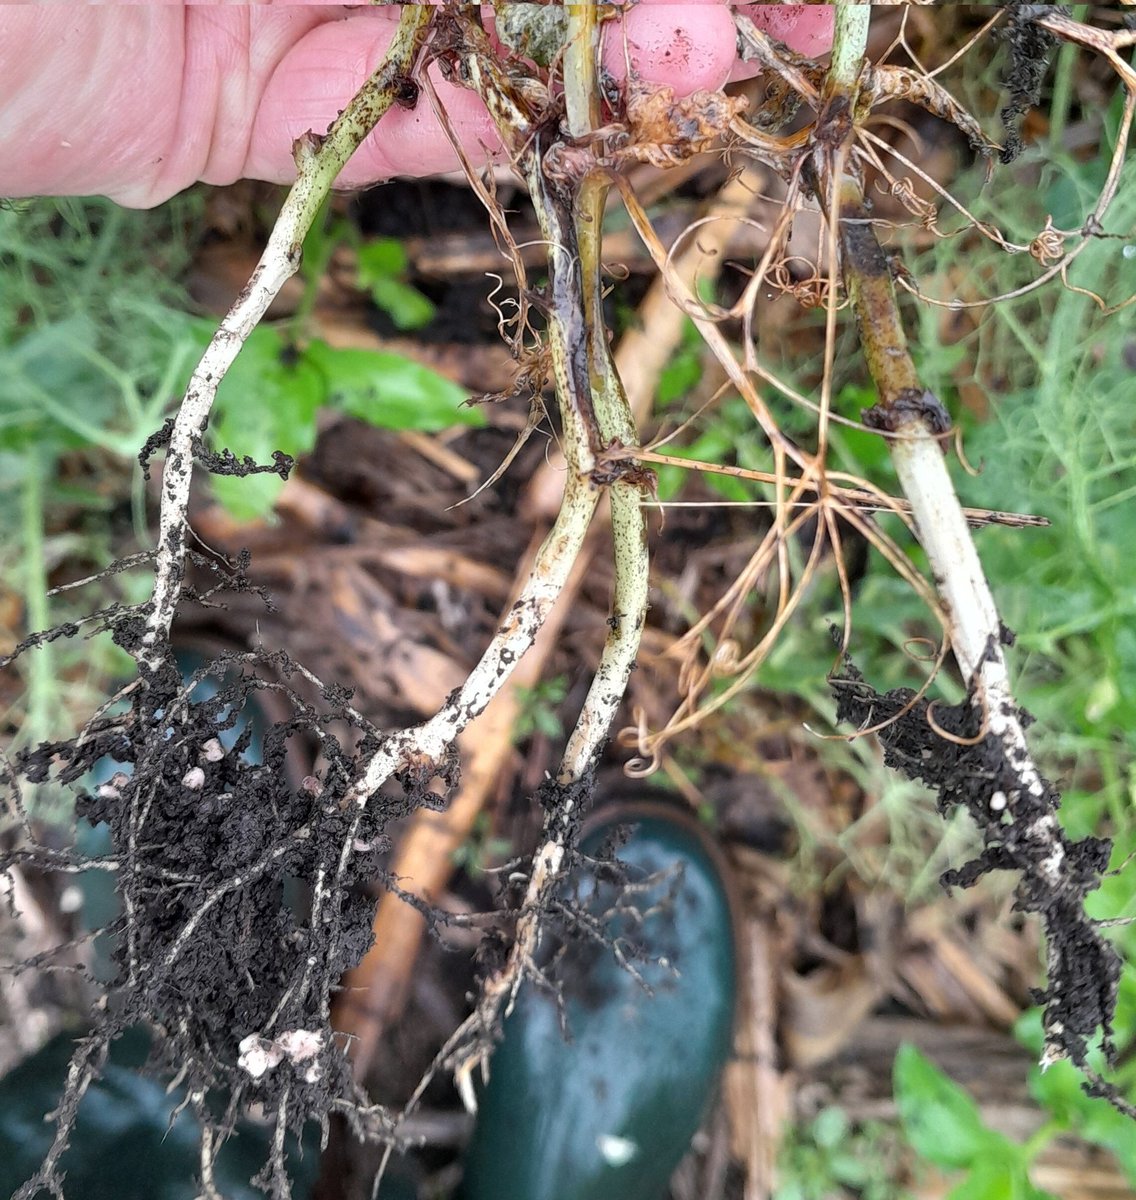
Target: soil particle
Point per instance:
(225, 462)
(153, 444)
(910, 404)
(211, 850)
(1021, 834)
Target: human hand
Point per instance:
(138, 102)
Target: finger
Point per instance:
(320, 74)
(64, 118)
(805, 28)
(686, 46)
(689, 46)
(134, 102)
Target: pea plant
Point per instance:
(237, 982)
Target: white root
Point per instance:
(975, 628)
(431, 740)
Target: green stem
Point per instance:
(315, 264)
(593, 405)
(628, 614)
(849, 43)
(918, 423)
(322, 158)
(513, 639)
(41, 662)
(581, 96)
(868, 280)
(104, 243)
(318, 163)
(610, 405)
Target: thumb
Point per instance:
(686, 46)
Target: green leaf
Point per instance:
(405, 305)
(380, 258)
(1059, 1090)
(269, 399)
(266, 402)
(684, 369)
(850, 1169)
(830, 1127)
(390, 391)
(941, 1121)
(727, 486)
(710, 447)
(547, 722)
(999, 1178)
(379, 267)
(678, 377)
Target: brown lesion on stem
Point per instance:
(870, 284)
(617, 464)
(568, 316)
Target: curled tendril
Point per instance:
(1049, 245)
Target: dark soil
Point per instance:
(975, 772)
(207, 847)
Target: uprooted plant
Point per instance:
(204, 841)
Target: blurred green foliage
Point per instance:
(97, 341)
(830, 1156)
(289, 385)
(943, 1125)
(93, 342)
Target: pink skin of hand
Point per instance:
(139, 102)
